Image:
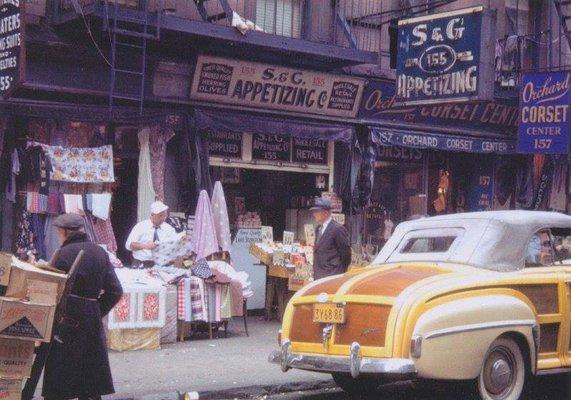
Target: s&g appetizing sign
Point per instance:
(446, 57)
(256, 85)
(545, 113)
(12, 56)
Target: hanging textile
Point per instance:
(145, 192)
(191, 300)
(158, 139)
(558, 195)
(82, 165)
(51, 239)
(99, 204)
(24, 235)
(220, 216)
(104, 234)
(204, 241)
(15, 171)
(39, 238)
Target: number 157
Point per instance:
(542, 143)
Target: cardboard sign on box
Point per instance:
(11, 389)
(26, 320)
(5, 267)
(21, 273)
(16, 358)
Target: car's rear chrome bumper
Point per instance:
(354, 364)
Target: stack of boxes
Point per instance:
(27, 308)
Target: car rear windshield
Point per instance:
(439, 244)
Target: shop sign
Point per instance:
(12, 52)
(446, 57)
(271, 147)
(545, 113)
(256, 85)
(393, 153)
(481, 188)
(310, 151)
(422, 140)
(225, 144)
(379, 104)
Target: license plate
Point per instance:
(329, 313)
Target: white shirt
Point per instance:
(144, 232)
(325, 225)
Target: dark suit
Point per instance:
(332, 253)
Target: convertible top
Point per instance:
(494, 240)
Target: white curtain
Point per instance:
(145, 192)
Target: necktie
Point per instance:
(318, 231)
(156, 234)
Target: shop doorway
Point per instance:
(279, 198)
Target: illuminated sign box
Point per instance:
(446, 57)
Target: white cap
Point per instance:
(158, 207)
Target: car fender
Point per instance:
(455, 336)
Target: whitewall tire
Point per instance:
(504, 373)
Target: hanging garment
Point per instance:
(558, 194)
(39, 238)
(24, 235)
(12, 188)
(220, 217)
(81, 165)
(158, 139)
(104, 234)
(145, 192)
(100, 205)
(204, 241)
(90, 232)
(51, 238)
(72, 203)
(54, 203)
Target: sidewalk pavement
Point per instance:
(205, 365)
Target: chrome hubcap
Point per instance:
(499, 373)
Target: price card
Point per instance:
(309, 234)
(288, 238)
(267, 235)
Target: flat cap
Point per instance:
(70, 221)
(321, 204)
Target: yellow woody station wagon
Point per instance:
(478, 296)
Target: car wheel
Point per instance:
(362, 386)
(503, 374)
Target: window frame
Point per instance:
(397, 255)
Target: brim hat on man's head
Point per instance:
(158, 207)
(321, 204)
(70, 221)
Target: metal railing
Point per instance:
(346, 23)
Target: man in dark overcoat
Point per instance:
(78, 363)
(332, 250)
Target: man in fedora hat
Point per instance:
(78, 365)
(332, 251)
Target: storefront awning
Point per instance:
(438, 141)
(224, 121)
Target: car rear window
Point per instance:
(438, 244)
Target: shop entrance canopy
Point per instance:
(207, 120)
(385, 136)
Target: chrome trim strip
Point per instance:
(553, 371)
(478, 327)
(355, 365)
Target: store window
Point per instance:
(280, 17)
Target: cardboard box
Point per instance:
(25, 320)
(11, 389)
(16, 358)
(22, 273)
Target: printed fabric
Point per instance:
(191, 306)
(24, 235)
(158, 139)
(104, 234)
(201, 269)
(82, 165)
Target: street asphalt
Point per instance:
(236, 367)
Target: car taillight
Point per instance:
(416, 346)
(280, 337)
